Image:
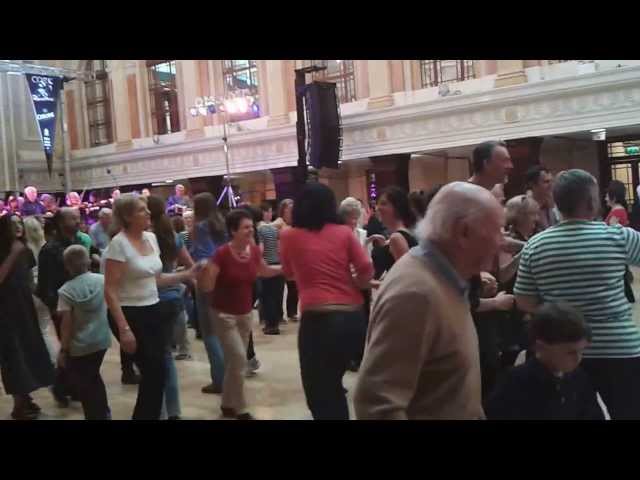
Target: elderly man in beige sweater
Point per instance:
(421, 359)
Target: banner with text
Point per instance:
(44, 93)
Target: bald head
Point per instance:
(31, 193)
(466, 222)
(68, 221)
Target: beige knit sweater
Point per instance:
(421, 359)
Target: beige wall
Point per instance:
(131, 109)
(428, 171)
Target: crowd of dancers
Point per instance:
(451, 304)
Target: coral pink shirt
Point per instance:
(320, 262)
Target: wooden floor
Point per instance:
(274, 393)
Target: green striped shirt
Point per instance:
(583, 263)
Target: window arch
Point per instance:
(98, 104)
(163, 96)
(342, 73)
(241, 77)
(438, 72)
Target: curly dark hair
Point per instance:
(236, 216)
(315, 207)
(418, 203)
(399, 200)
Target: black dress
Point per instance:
(24, 361)
(383, 259)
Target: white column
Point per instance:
(379, 84)
(277, 99)
(66, 144)
(120, 100)
(510, 72)
(190, 90)
(144, 110)
(3, 135)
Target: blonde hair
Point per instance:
(123, 208)
(34, 234)
(518, 206)
(350, 207)
(76, 260)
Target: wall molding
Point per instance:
(601, 99)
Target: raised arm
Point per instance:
(184, 259)
(361, 262)
(398, 246)
(268, 271)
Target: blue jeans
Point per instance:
(171, 398)
(211, 341)
(171, 401)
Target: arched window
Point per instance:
(241, 78)
(438, 72)
(98, 104)
(342, 73)
(163, 96)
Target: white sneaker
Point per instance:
(253, 365)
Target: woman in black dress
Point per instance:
(24, 362)
(399, 220)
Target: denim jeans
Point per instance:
(327, 343)
(171, 400)
(211, 341)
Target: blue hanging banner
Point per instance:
(45, 91)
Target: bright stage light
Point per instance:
(193, 111)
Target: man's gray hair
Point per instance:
(574, 190)
(350, 207)
(104, 212)
(455, 202)
(76, 260)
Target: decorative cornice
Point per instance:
(594, 100)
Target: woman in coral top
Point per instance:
(616, 200)
(319, 254)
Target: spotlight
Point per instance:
(242, 105)
(230, 106)
(193, 111)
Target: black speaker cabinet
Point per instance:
(324, 132)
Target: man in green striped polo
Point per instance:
(582, 262)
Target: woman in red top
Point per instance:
(229, 279)
(319, 254)
(616, 200)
